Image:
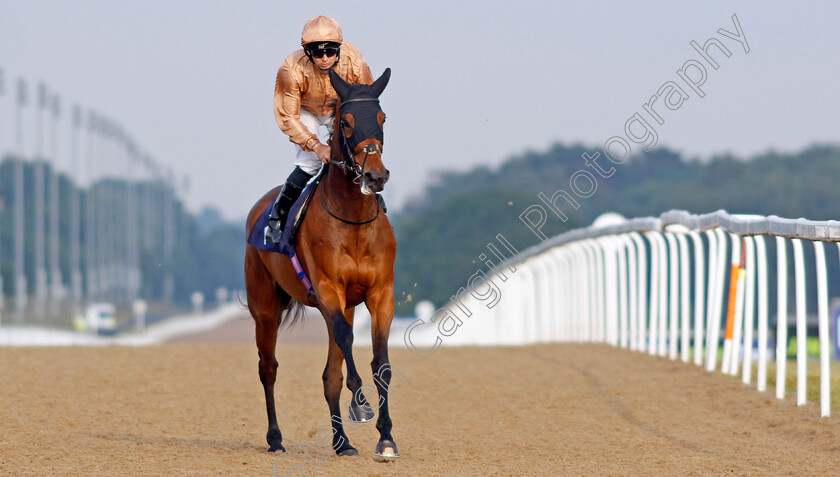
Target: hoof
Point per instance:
(277, 448)
(363, 413)
(350, 451)
(275, 441)
(386, 449)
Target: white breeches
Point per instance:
(308, 160)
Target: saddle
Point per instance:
(256, 236)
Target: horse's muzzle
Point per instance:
(374, 181)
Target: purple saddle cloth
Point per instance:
(256, 236)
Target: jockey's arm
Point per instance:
(287, 110)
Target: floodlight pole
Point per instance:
(131, 222)
(168, 235)
(121, 234)
(20, 277)
(2, 301)
(99, 205)
(75, 222)
(102, 207)
(40, 271)
(106, 160)
(149, 203)
(56, 288)
(118, 224)
(92, 280)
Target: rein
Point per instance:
(351, 222)
(360, 99)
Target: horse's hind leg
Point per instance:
(266, 303)
(266, 334)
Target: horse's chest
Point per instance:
(360, 274)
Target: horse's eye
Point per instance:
(348, 122)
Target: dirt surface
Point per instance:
(198, 409)
(309, 329)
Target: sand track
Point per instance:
(197, 409)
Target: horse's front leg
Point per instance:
(340, 327)
(332, 392)
(359, 409)
(381, 305)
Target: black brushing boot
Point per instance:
(280, 210)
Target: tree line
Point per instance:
(441, 233)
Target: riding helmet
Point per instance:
(321, 29)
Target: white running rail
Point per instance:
(674, 286)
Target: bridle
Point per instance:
(349, 162)
(349, 155)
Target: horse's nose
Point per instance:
(378, 177)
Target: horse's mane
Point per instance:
(335, 141)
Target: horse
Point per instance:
(346, 247)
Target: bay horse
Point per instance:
(347, 248)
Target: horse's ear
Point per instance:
(339, 85)
(379, 85)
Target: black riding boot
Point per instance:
(280, 210)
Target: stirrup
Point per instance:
(274, 233)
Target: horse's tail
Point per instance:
(291, 313)
(243, 301)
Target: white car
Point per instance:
(100, 318)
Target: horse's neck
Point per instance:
(344, 196)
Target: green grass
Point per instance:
(812, 347)
(812, 386)
(812, 381)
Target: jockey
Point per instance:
(304, 100)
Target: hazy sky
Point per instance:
(473, 82)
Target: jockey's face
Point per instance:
(325, 58)
(326, 62)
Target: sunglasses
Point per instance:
(321, 52)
